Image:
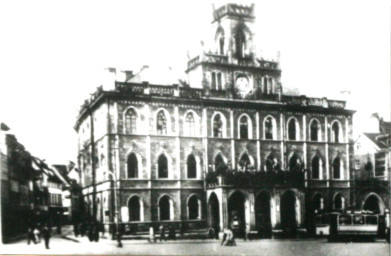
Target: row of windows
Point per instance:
(245, 163)
(219, 126)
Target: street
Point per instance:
(68, 244)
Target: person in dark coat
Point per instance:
(90, 234)
(30, 236)
(46, 235)
(96, 232)
(171, 232)
(162, 230)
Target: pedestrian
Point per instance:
(225, 234)
(46, 236)
(90, 233)
(151, 237)
(230, 238)
(30, 236)
(96, 231)
(162, 233)
(171, 233)
(37, 235)
(102, 229)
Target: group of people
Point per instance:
(162, 233)
(91, 229)
(34, 234)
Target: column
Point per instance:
(327, 152)
(347, 150)
(282, 141)
(148, 144)
(205, 138)
(258, 141)
(231, 117)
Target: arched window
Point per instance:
(244, 162)
(219, 82)
(194, 208)
(214, 87)
(294, 163)
(335, 132)
(240, 41)
(161, 125)
(315, 130)
(270, 86)
(134, 209)
(191, 167)
(131, 121)
(219, 163)
(292, 129)
(132, 166)
(269, 128)
(244, 128)
(339, 202)
(190, 125)
(166, 208)
(337, 168)
(271, 163)
(316, 165)
(217, 126)
(221, 42)
(162, 166)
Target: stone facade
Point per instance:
(161, 146)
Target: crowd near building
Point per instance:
(228, 141)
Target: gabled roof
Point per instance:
(376, 138)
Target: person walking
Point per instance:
(224, 238)
(46, 235)
(162, 233)
(30, 236)
(37, 235)
(151, 237)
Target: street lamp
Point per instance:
(118, 234)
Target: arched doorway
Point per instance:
(214, 213)
(374, 204)
(288, 212)
(236, 211)
(262, 215)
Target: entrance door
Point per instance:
(288, 212)
(214, 213)
(262, 215)
(236, 212)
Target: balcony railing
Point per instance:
(255, 178)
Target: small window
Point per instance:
(244, 127)
(191, 167)
(292, 130)
(335, 132)
(219, 82)
(269, 129)
(132, 166)
(214, 87)
(190, 125)
(337, 168)
(315, 167)
(162, 166)
(314, 130)
(217, 126)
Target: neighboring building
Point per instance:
(17, 177)
(228, 142)
(372, 168)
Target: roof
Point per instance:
(377, 138)
(385, 127)
(62, 173)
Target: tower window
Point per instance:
(337, 168)
(335, 132)
(316, 167)
(314, 130)
(219, 82)
(132, 166)
(292, 129)
(214, 87)
(162, 166)
(161, 125)
(221, 42)
(269, 128)
(191, 167)
(240, 41)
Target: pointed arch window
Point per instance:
(217, 126)
(269, 126)
(316, 167)
(315, 130)
(337, 168)
(244, 127)
(131, 121)
(292, 129)
(339, 202)
(132, 166)
(244, 162)
(190, 124)
(134, 208)
(191, 167)
(335, 132)
(162, 166)
(294, 163)
(219, 163)
(194, 208)
(161, 125)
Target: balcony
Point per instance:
(255, 178)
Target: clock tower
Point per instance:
(228, 65)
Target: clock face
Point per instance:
(243, 84)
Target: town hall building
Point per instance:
(227, 143)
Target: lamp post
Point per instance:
(118, 233)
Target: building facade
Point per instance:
(228, 142)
